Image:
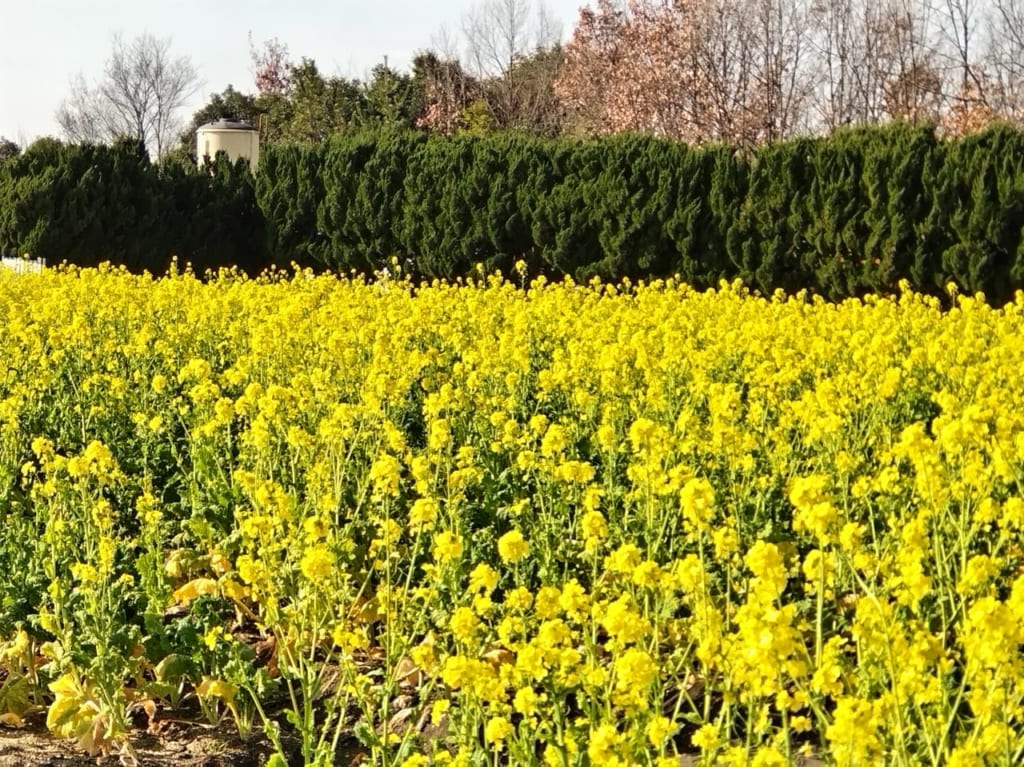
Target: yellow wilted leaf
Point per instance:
(498, 656)
(149, 706)
(16, 699)
(234, 590)
(18, 646)
(94, 739)
(51, 650)
(64, 717)
(368, 611)
(217, 688)
(407, 672)
(195, 588)
(12, 720)
(66, 686)
(219, 563)
(171, 669)
(75, 714)
(180, 562)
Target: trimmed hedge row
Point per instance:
(89, 204)
(843, 215)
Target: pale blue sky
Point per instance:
(44, 43)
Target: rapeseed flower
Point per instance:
(512, 547)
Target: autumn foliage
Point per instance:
(684, 70)
(747, 73)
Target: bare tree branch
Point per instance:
(140, 95)
(501, 36)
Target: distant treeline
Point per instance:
(844, 215)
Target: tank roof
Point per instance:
(228, 124)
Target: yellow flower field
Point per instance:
(489, 523)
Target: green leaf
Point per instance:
(366, 735)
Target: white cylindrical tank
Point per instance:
(236, 138)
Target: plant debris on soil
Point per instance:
(178, 744)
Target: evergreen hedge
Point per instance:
(91, 203)
(852, 213)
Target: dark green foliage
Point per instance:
(290, 189)
(856, 212)
(853, 213)
(88, 204)
(8, 149)
(361, 213)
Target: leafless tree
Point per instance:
(782, 82)
(141, 93)
(914, 89)
(1005, 57)
(872, 63)
(84, 115)
(878, 61)
(834, 42)
(506, 43)
(959, 27)
(722, 48)
(852, 70)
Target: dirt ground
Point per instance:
(177, 745)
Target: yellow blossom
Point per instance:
(512, 546)
(697, 500)
(317, 563)
(447, 546)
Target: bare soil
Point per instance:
(178, 744)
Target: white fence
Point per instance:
(23, 265)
